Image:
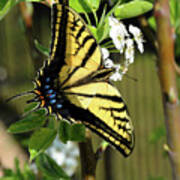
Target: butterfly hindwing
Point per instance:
(105, 113)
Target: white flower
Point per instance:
(65, 155)
(129, 52)
(118, 33)
(114, 23)
(138, 37)
(105, 53)
(108, 63)
(117, 76)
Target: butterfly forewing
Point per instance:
(74, 45)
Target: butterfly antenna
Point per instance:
(19, 95)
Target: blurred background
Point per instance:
(19, 61)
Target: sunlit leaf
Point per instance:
(5, 7)
(79, 6)
(132, 9)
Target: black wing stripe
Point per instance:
(88, 118)
(111, 98)
(89, 53)
(84, 61)
(83, 43)
(80, 32)
(58, 49)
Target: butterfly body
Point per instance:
(73, 84)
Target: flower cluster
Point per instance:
(123, 42)
(65, 155)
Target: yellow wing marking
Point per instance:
(57, 30)
(83, 54)
(105, 102)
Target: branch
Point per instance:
(88, 159)
(167, 76)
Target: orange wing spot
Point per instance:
(41, 97)
(42, 103)
(37, 92)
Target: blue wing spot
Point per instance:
(46, 86)
(52, 96)
(59, 106)
(50, 91)
(52, 101)
(48, 79)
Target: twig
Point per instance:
(167, 76)
(104, 145)
(88, 158)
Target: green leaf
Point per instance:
(2, 4)
(30, 122)
(77, 132)
(33, 154)
(64, 131)
(18, 171)
(41, 48)
(52, 122)
(79, 6)
(93, 31)
(28, 173)
(103, 31)
(41, 140)
(5, 7)
(132, 9)
(49, 167)
(40, 112)
(152, 23)
(93, 4)
(30, 107)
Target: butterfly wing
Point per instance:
(74, 51)
(72, 77)
(100, 107)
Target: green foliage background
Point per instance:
(148, 161)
